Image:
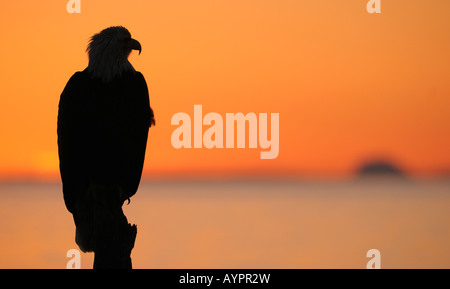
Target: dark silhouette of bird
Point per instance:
(104, 118)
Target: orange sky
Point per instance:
(348, 85)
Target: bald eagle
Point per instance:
(104, 116)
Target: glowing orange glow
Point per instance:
(347, 85)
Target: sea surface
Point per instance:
(245, 224)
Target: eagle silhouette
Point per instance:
(104, 116)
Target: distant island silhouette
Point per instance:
(379, 168)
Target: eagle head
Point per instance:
(108, 53)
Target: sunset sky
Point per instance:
(349, 86)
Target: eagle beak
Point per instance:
(135, 45)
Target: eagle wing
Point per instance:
(102, 134)
(141, 120)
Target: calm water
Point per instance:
(245, 225)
